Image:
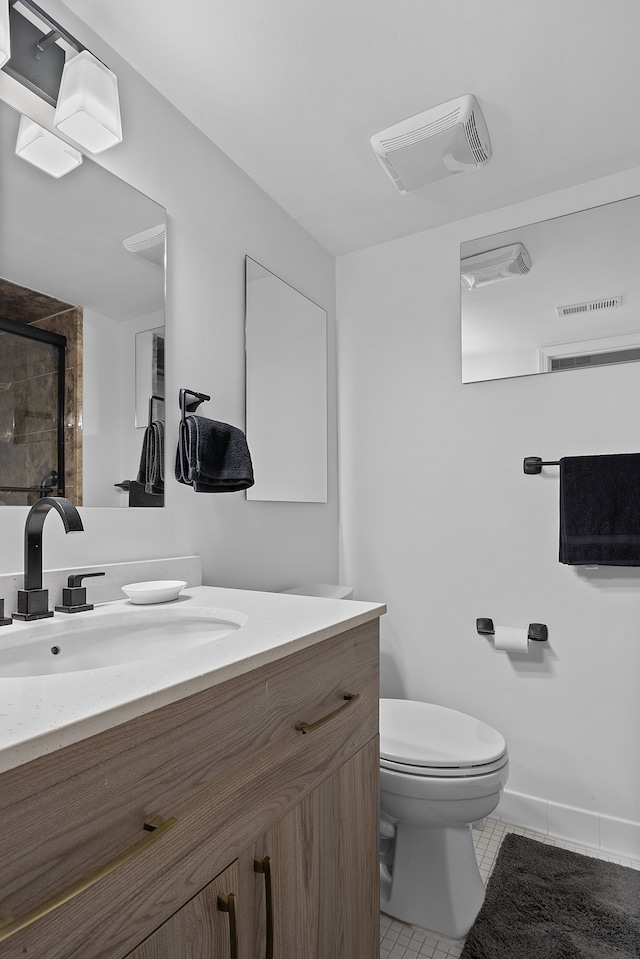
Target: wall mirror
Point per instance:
(81, 257)
(286, 387)
(570, 301)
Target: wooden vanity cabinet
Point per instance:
(203, 928)
(324, 877)
(232, 781)
(314, 898)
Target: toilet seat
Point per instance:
(423, 739)
(444, 772)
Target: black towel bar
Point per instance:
(533, 464)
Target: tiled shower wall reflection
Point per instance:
(28, 409)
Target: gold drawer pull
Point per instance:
(228, 904)
(157, 829)
(309, 727)
(263, 864)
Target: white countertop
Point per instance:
(39, 714)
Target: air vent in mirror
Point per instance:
(595, 359)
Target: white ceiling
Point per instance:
(292, 90)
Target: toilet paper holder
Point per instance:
(538, 632)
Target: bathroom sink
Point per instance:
(110, 637)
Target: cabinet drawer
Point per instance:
(225, 764)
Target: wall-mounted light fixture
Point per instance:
(61, 71)
(88, 109)
(45, 150)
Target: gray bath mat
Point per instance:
(543, 902)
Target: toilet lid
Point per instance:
(425, 735)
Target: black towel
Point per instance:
(600, 510)
(151, 469)
(212, 457)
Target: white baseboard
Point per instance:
(619, 836)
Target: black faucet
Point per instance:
(33, 600)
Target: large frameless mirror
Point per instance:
(562, 294)
(286, 384)
(82, 257)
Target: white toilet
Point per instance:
(440, 771)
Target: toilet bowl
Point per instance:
(440, 771)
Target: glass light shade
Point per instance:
(88, 109)
(5, 34)
(45, 149)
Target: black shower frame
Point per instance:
(60, 342)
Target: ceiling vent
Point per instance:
(148, 244)
(588, 306)
(494, 265)
(450, 138)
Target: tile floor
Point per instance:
(399, 940)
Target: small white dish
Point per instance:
(159, 591)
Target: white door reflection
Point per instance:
(286, 384)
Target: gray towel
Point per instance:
(212, 457)
(151, 469)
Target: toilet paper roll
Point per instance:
(512, 638)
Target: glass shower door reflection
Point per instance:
(32, 387)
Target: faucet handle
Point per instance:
(74, 596)
(76, 579)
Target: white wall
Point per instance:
(216, 215)
(439, 521)
(101, 417)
